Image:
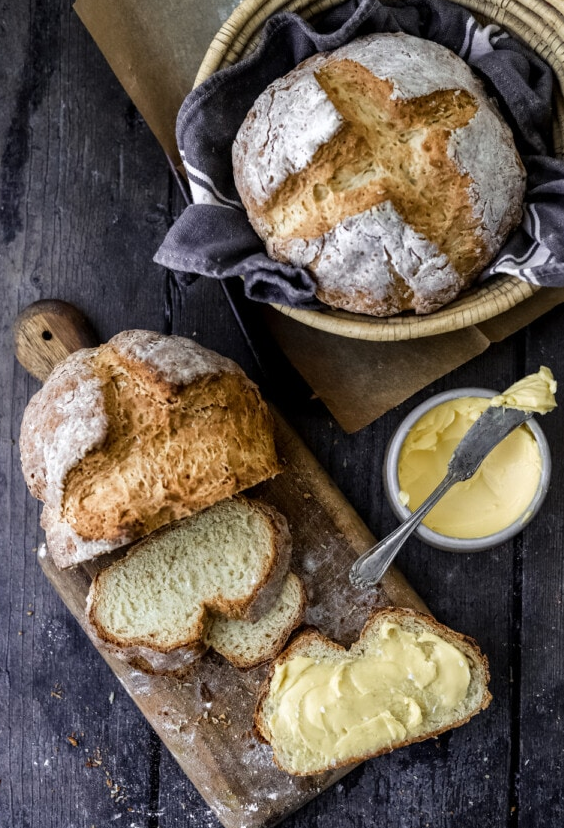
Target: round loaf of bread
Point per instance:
(385, 170)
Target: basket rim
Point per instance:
(475, 306)
(539, 25)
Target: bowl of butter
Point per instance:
(507, 490)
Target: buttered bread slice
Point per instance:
(406, 679)
(161, 606)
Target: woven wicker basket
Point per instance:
(541, 25)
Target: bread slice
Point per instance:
(406, 679)
(247, 644)
(158, 606)
(142, 431)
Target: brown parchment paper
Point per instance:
(155, 50)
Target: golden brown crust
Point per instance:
(311, 638)
(385, 170)
(266, 592)
(136, 434)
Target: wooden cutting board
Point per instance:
(205, 720)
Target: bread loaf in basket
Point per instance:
(385, 170)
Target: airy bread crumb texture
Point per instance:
(136, 434)
(400, 188)
(295, 756)
(218, 578)
(247, 644)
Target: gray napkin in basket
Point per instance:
(212, 237)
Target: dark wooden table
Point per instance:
(86, 198)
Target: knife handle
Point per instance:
(46, 332)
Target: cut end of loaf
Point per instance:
(406, 679)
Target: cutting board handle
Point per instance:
(46, 332)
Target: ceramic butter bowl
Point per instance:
(500, 499)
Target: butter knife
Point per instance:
(489, 429)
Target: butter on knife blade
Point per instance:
(535, 392)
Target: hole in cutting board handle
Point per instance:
(48, 331)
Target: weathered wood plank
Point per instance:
(538, 663)
(84, 191)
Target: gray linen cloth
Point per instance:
(213, 237)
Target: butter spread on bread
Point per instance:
(406, 679)
(383, 168)
(142, 431)
(218, 578)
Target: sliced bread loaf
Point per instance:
(406, 679)
(157, 607)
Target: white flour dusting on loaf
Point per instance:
(383, 168)
(74, 404)
(140, 432)
(298, 109)
(176, 359)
